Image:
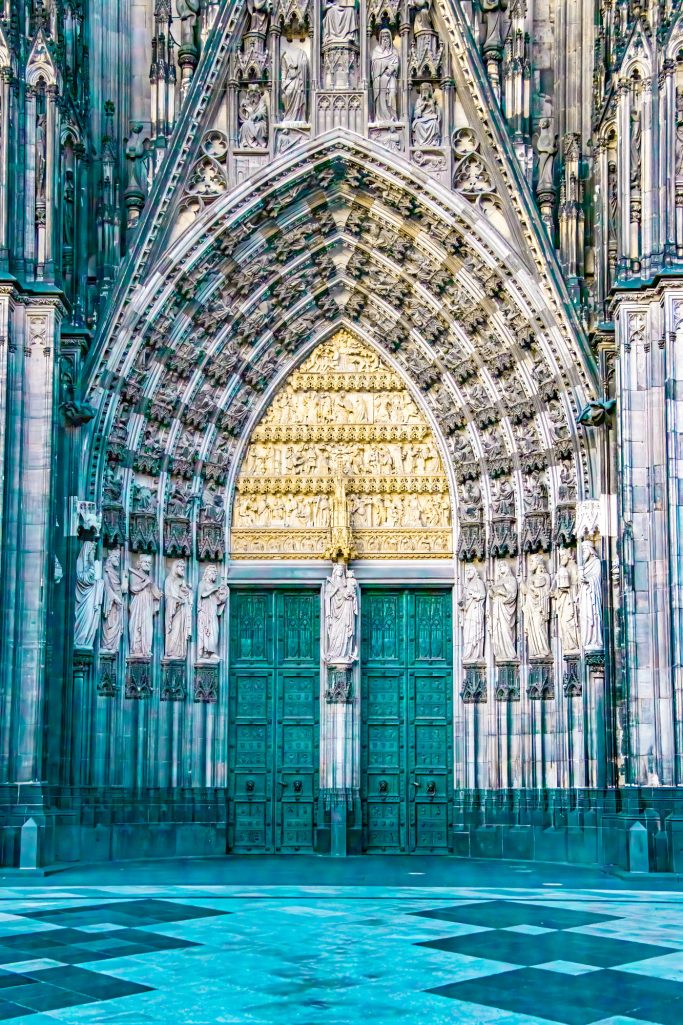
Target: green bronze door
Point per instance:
(407, 703)
(274, 686)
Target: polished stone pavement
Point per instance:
(530, 946)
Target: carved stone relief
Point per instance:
(343, 414)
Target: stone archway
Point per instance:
(339, 233)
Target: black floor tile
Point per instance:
(10, 979)
(80, 980)
(9, 1010)
(500, 914)
(522, 949)
(125, 912)
(39, 996)
(576, 1000)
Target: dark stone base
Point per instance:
(579, 827)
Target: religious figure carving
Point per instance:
(294, 84)
(679, 132)
(473, 605)
(340, 23)
(259, 12)
(341, 543)
(88, 596)
(253, 119)
(341, 616)
(635, 150)
(384, 73)
(211, 598)
(188, 12)
(178, 611)
(546, 148)
(565, 593)
(41, 158)
(590, 598)
(503, 593)
(536, 608)
(144, 605)
(426, 118)
(112, 608)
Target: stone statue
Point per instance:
(188, 12)
(178, 611)
(590, 598)
(546, 148)
(41, 157)
(384, 73)
(294, 84)
(340, 23)
(473, 605)
(503, 593)
(144, 605)
(635, 150)
(536, 608)
(112, 609)
(259, 12)
(566, 603)
(341, 617)
(88, 596)
(253, 119)
(211, 599)
(679, 132)
(426, 118)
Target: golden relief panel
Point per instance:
(343, 447)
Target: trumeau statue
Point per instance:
(503, 593)
(112, 608)
(293, 84)
(565, 593)
(473, 605)
(88, 596)
(536, 608)
(590, 598)
(144, 605)
(384, 73)
(211, 598)
(341, 617)
(178, 612)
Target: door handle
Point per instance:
(283, 782)
(416, 783)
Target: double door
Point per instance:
(407, 720)
(274, 701)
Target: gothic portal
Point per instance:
(340, 348)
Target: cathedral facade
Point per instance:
(342, 458)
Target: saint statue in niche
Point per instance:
(473, 605)
(144, 605)
(178, 599)
(565, 595)
(426, 118)
(89, 587)
(293, 84)
(536, 607)
(504, 614)
(590, 598)
(211, 598)
(340, 24)
(112, 610)
(188, 11)
(253, 119)
(384, 73)
(341, 617)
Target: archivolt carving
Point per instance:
(343, 413)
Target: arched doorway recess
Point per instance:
(336, 236)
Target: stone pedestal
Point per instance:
(206, 682)
(173, 680)
(474, 691)
(507, 683)
(138, 678)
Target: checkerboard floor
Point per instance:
(327, 956)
